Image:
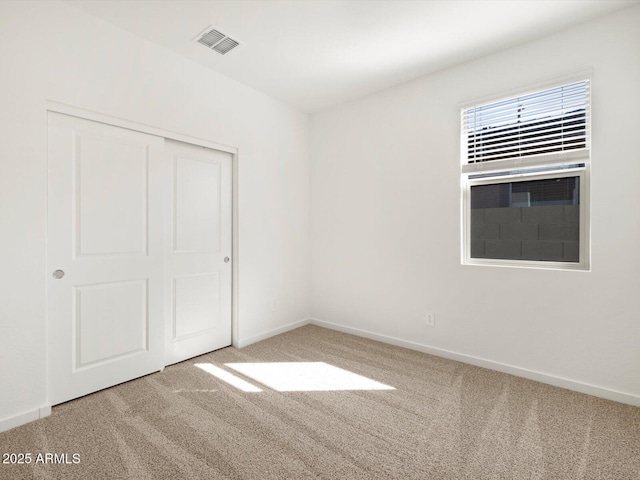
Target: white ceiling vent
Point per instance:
(216, 40)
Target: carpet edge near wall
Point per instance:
(546, 378)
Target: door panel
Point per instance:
(197, 304)
(105, 231)
(110, 321)
(198, 307)
(197, 206)
(105, 165)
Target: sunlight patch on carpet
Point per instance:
(228, 377)
(194, 390)
(305, 377)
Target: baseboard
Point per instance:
(25, 417)
(556, 381)
(243, 342)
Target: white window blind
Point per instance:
(548, 121)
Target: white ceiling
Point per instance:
(315, 54)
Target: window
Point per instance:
(525, 172)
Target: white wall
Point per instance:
(49, 50)
(386, 222)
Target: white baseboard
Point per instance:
(556, 381)
(243, 342)
(25, 417)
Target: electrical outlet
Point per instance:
(430, 319)
(274, 307)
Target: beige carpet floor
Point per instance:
(443, 420)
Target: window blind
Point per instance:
(548, 121)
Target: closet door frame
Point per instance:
(57, 107)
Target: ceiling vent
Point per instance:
(216, 40)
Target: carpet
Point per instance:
(391, 413)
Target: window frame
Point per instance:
(571, 163)
(583, 244)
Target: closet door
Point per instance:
(198, 255)
(106, 287)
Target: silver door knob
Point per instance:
(226, 259)
(58, 274)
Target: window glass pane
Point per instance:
(526, 220)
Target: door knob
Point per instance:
(226, 259)
(58, 274)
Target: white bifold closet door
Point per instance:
(138, 231)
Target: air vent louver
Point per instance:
(225, 45)
(210, 38)
(216, 40)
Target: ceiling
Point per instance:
(314, 54)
